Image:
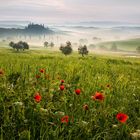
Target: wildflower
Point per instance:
(25, 121)
(78, 91)
(85, 107)
(114, 126)
(65, 119)
(42, 70)
(43, 110)
(84, 123)
(135, 135)
(59, 113)
(1, 72)
(98, 96)
(18, 103)
(37, 97)
(62, 87)
(62, 81)
(37, 76)
(122, 117)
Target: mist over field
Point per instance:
(69, 69)
(87, 33)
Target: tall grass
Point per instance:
(21, 117)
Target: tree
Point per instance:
(83, 50)
(52, 44)
(25, 44)
(138, 49)
(66, 49)
(19, 46)
(11, 44)
(46, 44)
(114, 47)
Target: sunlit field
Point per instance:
(46, 95)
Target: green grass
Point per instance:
(93, 73)
(127, 45)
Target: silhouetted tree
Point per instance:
(52, 44)
(46, 44)
(19, 46)
(66, 49)
(11, 44)
(83, 50)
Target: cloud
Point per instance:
(70, 10)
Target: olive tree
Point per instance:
(83, 50)
(67, 49)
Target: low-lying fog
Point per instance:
(82, 34)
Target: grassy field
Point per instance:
(34, 106)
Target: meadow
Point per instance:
(45, 95)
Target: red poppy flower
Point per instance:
(98, 96)
(65, 119)
(85, 107)
(37, 97)
(121, 117)
(42, 70)
(78, 91)
(1, 72)
(62, 87)
(62, 81)
(37, 76)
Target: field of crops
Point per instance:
(48, 96)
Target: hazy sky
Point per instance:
(70, 10)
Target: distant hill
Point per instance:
(126, 45)
(31, 29)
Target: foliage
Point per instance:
(67, 49)
(19, 46)
(83, 50)
(51, 44)
(46, 44)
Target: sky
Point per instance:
(62, 11)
